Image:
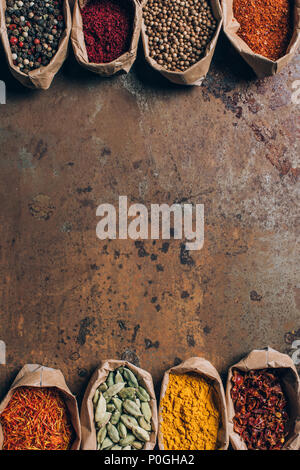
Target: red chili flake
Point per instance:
(265, 25)
(261, 415)
(107, 27)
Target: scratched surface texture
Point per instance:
(69, 300)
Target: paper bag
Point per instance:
(265, 359)
(122, 63)
(262, 66)
(195, 74)
(35, 375)
(206, 370)
(88, 429)
(43, 76)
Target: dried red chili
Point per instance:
(107, 28)
(266, 25)
(260, 409)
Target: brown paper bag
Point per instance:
(204, 368)
(123, 63)
(88, 429)
(34, 375)
(262, 66)
(264, 359)
(43, 76)
(195, 74)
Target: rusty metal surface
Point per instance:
(69, 300)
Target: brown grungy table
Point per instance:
(69, 300)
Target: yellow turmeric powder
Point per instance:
(190, 418)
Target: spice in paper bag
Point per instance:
(119, 409)
(266, 26)
(180, 38)
(35, 38)
(192, 411)
(266, 34)
(39, 412)
(107, 29)
(105, 34)
(263, 400)
(190, 417)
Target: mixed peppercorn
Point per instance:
(261, 415)
(34, 30)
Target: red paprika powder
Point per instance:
(107, 28)
(265, 25)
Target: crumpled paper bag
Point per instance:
(35, 375)
(262, 66)
(42, 77)
(195, 74)
(205, 369)
(122, 63)
(265, 359)
(87, 410)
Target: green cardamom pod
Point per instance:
(100, 409)
(132, 408)
(146, 410)
(110, 407)
(96, 397)
(117, 402)
(127, 440)
(142, 394)
(129, 375)
(118, 378)
(129, 421)
(144, 424)
(113, 390)
(115, 417)
(137, 444)
(102, 387)
(127, 448)
(116, 447)
(141, 434)
(106, 444)
(113, 433)
(122, 430)
(101, 435)
(127, 392)
(104, 421)
(110, 379)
